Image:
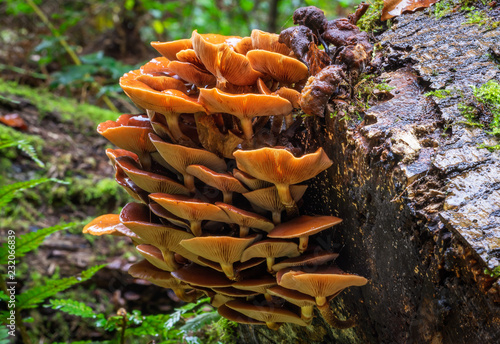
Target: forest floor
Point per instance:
(64, 136)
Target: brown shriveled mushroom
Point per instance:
(303, 227)
(284, 69)
(149, 181)
(269, 199)
(221, 249)
(144, 270)
(131, 137)
(221, 181)
(280, 167)
(245, 219)
(180, 157)
(135, 216)
(272, 315)
(190, 209)
(270, 249)
(244, 106)
(305, 302)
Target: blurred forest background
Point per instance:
(60, 61)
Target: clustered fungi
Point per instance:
(215, 161)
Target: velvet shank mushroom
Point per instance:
(262, 164)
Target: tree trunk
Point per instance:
(419, 199)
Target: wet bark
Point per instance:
(419, 199)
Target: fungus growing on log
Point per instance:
(214, 109)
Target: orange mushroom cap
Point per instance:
(280, 67)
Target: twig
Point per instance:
(65, 45)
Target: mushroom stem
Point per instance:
(228, 270)
(145, 159)
(268, 297)
(189, 182)
(168, 257)
(303, 241)
(306, 313)
(196, 228)
(320, 301)
(288, 120)
(333, 321)
(270, 263)
(287, 199)
(244, 231)
(173, 124)
(227, 197)
(246, 126)
(273, 326)
(181, 294)
(276, 217)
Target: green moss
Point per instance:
(480, 18)
(371, 22)
(438, 93)
(223, 331)
(46, 102)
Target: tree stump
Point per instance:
(419, 199)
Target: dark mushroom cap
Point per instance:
(315, 258)
(303, 226)
(202, 276)
(267, 313)
(238, 317)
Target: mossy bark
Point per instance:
(419, 200)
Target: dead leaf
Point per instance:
(394, 8)
(15, 121)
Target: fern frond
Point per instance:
(30, 151)
(30, 241)
(74, 307)
(32, 297)
(8, 143)
(4, 335)
(196, 323)
(7, 192)
(3, 296)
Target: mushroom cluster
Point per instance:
(214, 167)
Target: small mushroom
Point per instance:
(144, 270)
(315, 259)
(180, 157)
(244, 106)
(245, 219)
(136, 217)
(305, 302)
(170, 49)
(222, 249)
(190, 209)
(112, 154)
(149, 181)
(259, 285)
(133, 138)
(284, 69)
(303, 227)
(262, 164)
(252, 182)
(221, 181)
(238, 317)
(202, 276)
(272, 315)
(270, 249)
(269, 199)
(163, 213)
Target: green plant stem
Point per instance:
(65, 45)
(19, 321)
(124, 327)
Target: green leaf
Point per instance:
(32, 297)
(4, 335)
(199, 321)
(30, 241)
(7, 192)
(3, 296)
(29, 150)
(75, 308)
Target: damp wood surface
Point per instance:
(420, 202)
